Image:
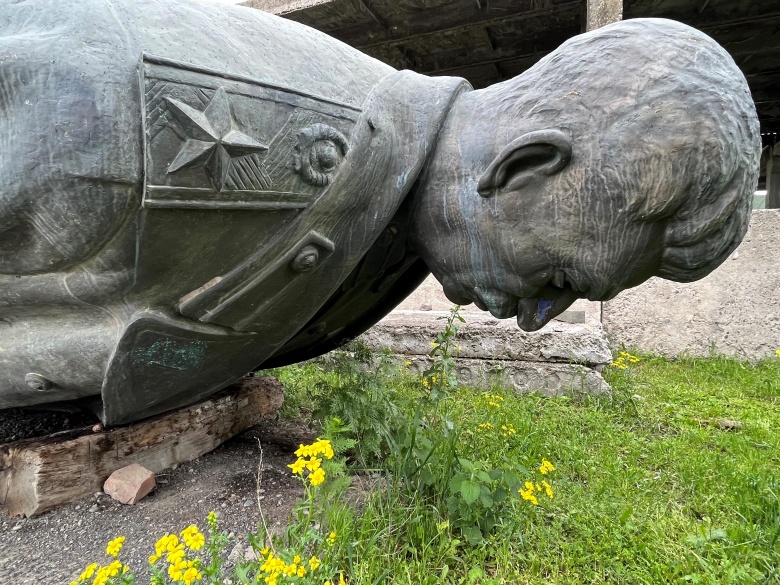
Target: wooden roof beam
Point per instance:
(448, 22)
(378, 18)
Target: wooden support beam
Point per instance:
(40, 474)
(437, 21)
(378, 18)
(602, 12)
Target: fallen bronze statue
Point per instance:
(190, 191)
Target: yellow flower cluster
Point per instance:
(180, 568)
(531, 487)
(193, 538)
(546, 467)
(624, 360)
(428, 383)
(308, 459)
(493, 400)
(508, 430)
(103, 574)
(777, 351)
(485, 426)
(275, 568)
(332, 538)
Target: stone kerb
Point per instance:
(562, 357)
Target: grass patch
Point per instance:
(672, 479)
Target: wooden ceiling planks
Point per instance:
(487, 41)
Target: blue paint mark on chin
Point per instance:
(542, 308)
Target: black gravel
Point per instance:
(18, 423)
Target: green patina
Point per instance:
(174, 354)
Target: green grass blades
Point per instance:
(674, 478)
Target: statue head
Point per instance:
(629, 152)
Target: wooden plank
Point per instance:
(37, 475)
(437, 21)
(599, 13)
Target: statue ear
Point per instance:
(532, 156)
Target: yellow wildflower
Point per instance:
(175, 555)
(313, 464)
(407, 363)
(212, 518)
(528, 494)
(331, 538)
(298, 466)
(314, 563)
(547, 489)
(546, 467)
(777, 351)
(317, 477)
(341, 579)
(297, 559)
(193, 538)
(190, 576)
(301, 571)
(89, 570)
(323, 447)
(175, 573)
(115, 546)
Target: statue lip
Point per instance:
(533, 313)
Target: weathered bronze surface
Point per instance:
(193, 190)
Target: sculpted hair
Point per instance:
(668, 135)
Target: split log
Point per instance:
(37, 475)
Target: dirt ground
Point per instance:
(53, 548)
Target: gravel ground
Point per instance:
(17, 424)
(53, 548)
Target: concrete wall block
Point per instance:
(549, 379)
(482, 337)
(736, 308)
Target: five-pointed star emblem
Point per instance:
(212, 139)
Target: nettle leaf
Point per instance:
(426, 477)
(499, 495)
(496, 474)
(456, 482)
(511, 479)
(473, 535)
(465, 464)
(470, 491)
(486, 499)
(483, 477)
